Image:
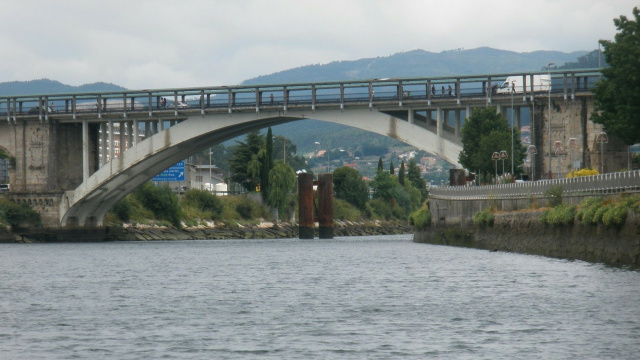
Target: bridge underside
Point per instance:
(87, 205)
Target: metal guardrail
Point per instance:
(610, 183)
(280, 96)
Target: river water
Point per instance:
(378, 297)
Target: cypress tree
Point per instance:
(380, 166)
(401, 173)
(391, 169)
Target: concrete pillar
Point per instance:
(112, 148)
(129, 134)
(123, 145)
(325, 205)
(136, 132)
(305, 206)
(439, 121)
(458, 122)
(516, 116)
(410, 117)
(85, 150)
(103, 144)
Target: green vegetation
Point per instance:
(617, 94)
(16, 215)
(561, 214)
(161, 201)
(484, 133)
(484, 218)
(421, 218)
(608, 212)
(554, 194)
(349, 186)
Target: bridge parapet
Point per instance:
(361, 93)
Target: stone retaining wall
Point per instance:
(524, 232)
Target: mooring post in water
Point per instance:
(305, 206)
(325, 205)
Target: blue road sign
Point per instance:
(174, 173)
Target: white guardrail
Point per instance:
(610, 183)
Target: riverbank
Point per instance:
(527, 233)
(264, 230)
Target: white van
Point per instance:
(540, 83)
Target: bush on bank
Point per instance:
(15, 215)
(608, 212)
(563, 214)
(484, 218)
(421, 218)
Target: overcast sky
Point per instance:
(162, 44)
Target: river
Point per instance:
(378, 297)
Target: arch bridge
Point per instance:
(78, 154)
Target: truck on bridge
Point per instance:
(514, 84)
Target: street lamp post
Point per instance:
(210, 153)
(602, 138)
(503, 155)
(549, 119)
(533, 151)
(496, 157)
(513, 89)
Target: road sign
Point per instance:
(174, 173)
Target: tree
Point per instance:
(401, 174)
(245, 163)
(484, 133)
(617, 94)
(266, 160)
(349, 185)
(392, 171)
(380, 166)
(383, 186)
(416, 180)
(282, 179)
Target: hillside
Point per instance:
(46, 86)
(419, 63)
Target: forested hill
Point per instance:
(46, 86)
(421, 63)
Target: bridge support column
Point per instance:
(85, 150)
(458, 122)
(111, 145)
(103, 144)
(410, 116)
(305, 206)
(325, 205)
(439, 121)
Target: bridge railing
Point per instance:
(338, 93)
(610, 183)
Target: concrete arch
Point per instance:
(87, 205)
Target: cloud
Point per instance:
(149, 44)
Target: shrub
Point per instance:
(484, 218)
(161, 201)
(562, 214)
(245, 208)
(378, 209)
(204, 201)
(582, 172)
(343, 210)
(421, 218)
(587, 209)
(554, 194)
(122, 209)
(17, 214)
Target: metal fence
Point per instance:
(611, 183)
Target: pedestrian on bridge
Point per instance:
(271, 98)
(433, 89)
